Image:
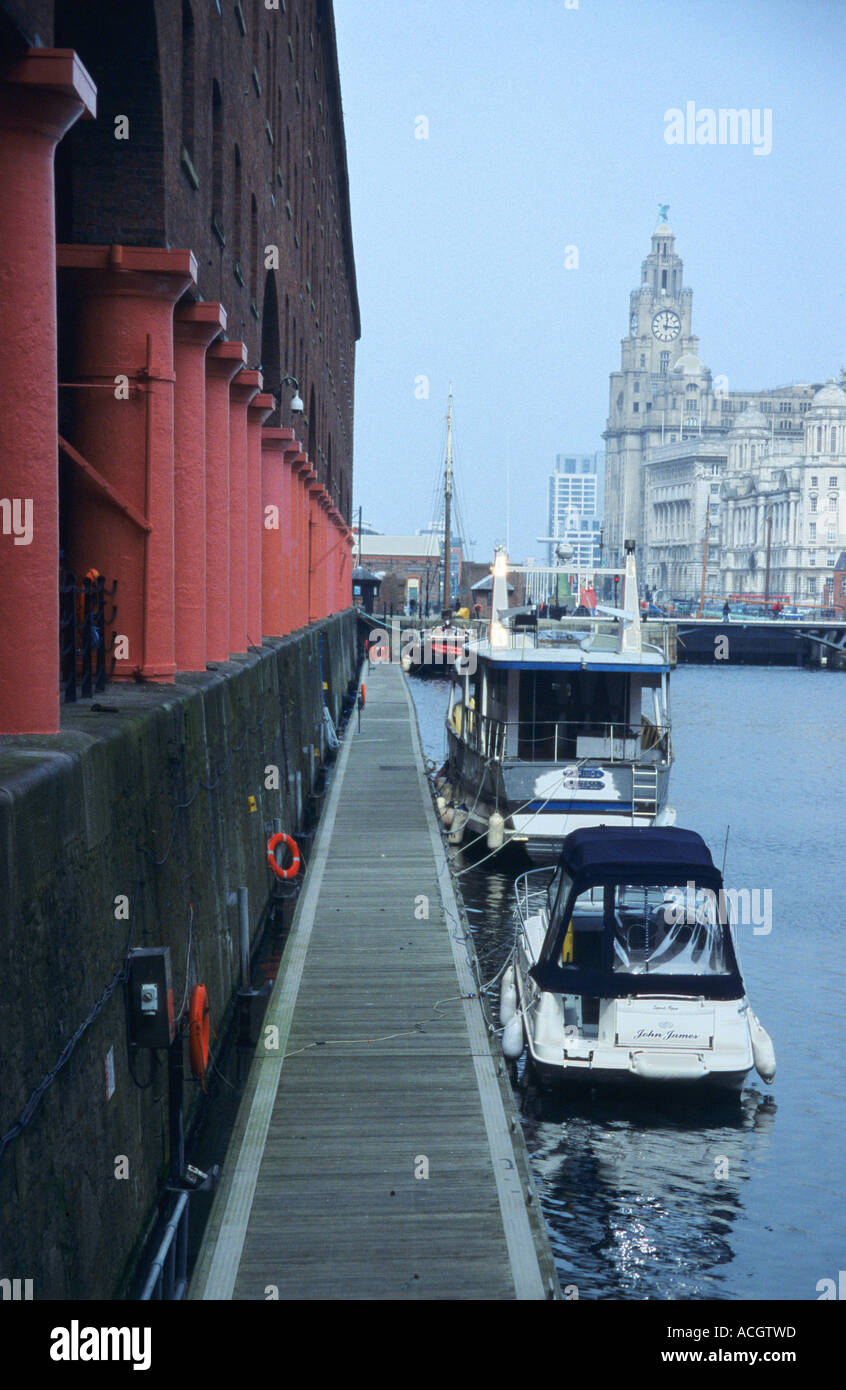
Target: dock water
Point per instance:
(377, 1152)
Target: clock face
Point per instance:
(633, 325)
(666, 325)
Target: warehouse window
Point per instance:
(237, 214)
(217, 162)
(188, 78)
(253, 252)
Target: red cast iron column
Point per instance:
(276, 507)
(290, 579)
(41, 95)
(300, 580)
(244, 388)
(313, 491)
(223, 360)
(195, 328)
(125, 297)
(257, 412)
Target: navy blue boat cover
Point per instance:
(623, 854)
(656, 855)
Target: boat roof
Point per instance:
(572, 656)
(612, 854)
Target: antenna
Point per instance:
(447, 510)
(508, 498)
(725, 849)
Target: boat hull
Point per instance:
(542, 801)
(632, 1043)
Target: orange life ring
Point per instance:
(198, 1031)
(294, 867)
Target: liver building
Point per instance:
(663, 397)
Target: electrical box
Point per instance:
(151, 1021)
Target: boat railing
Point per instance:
(571, 631)
(561, 740)
(532, 892)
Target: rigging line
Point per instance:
(179, 807)
(579, 763)
(419, 1027)
(187, 961)
(534, 814)
(46, 1082)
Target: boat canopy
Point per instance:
(620, 927)
(651, 854)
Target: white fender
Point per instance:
(459, 821)
(513, 1041)
(496, 831)
(763, 1052)
(507, 996)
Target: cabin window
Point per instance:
(557, 706)
(667, 931)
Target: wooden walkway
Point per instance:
(383, 1072)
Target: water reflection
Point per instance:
(641, 1191)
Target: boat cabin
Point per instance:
(568, 699)
(634, 912)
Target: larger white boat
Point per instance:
(624, 968)
(551, 728)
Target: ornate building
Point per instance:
(783, 517)
(663, 395)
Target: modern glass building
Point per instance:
(576, 493)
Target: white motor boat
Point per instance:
(550, 728)
(624, 968)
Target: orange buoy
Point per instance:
(294, 866)
(198, 1031)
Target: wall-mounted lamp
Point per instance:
(296, 404)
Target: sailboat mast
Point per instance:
(448, 507)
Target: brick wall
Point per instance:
(252, 95)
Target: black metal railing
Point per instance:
(85, 652)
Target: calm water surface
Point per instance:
(629, 1189)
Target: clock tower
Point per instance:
(661, 392)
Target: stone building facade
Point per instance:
(771, 508)
(663, 395)
(783, 514)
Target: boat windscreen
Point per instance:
(660, 930)
(623, 939)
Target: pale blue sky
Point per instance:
(546, 128)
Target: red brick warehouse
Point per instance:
(177, 249)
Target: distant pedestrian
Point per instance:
(726, 611)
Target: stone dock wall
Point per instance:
(133, 827)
